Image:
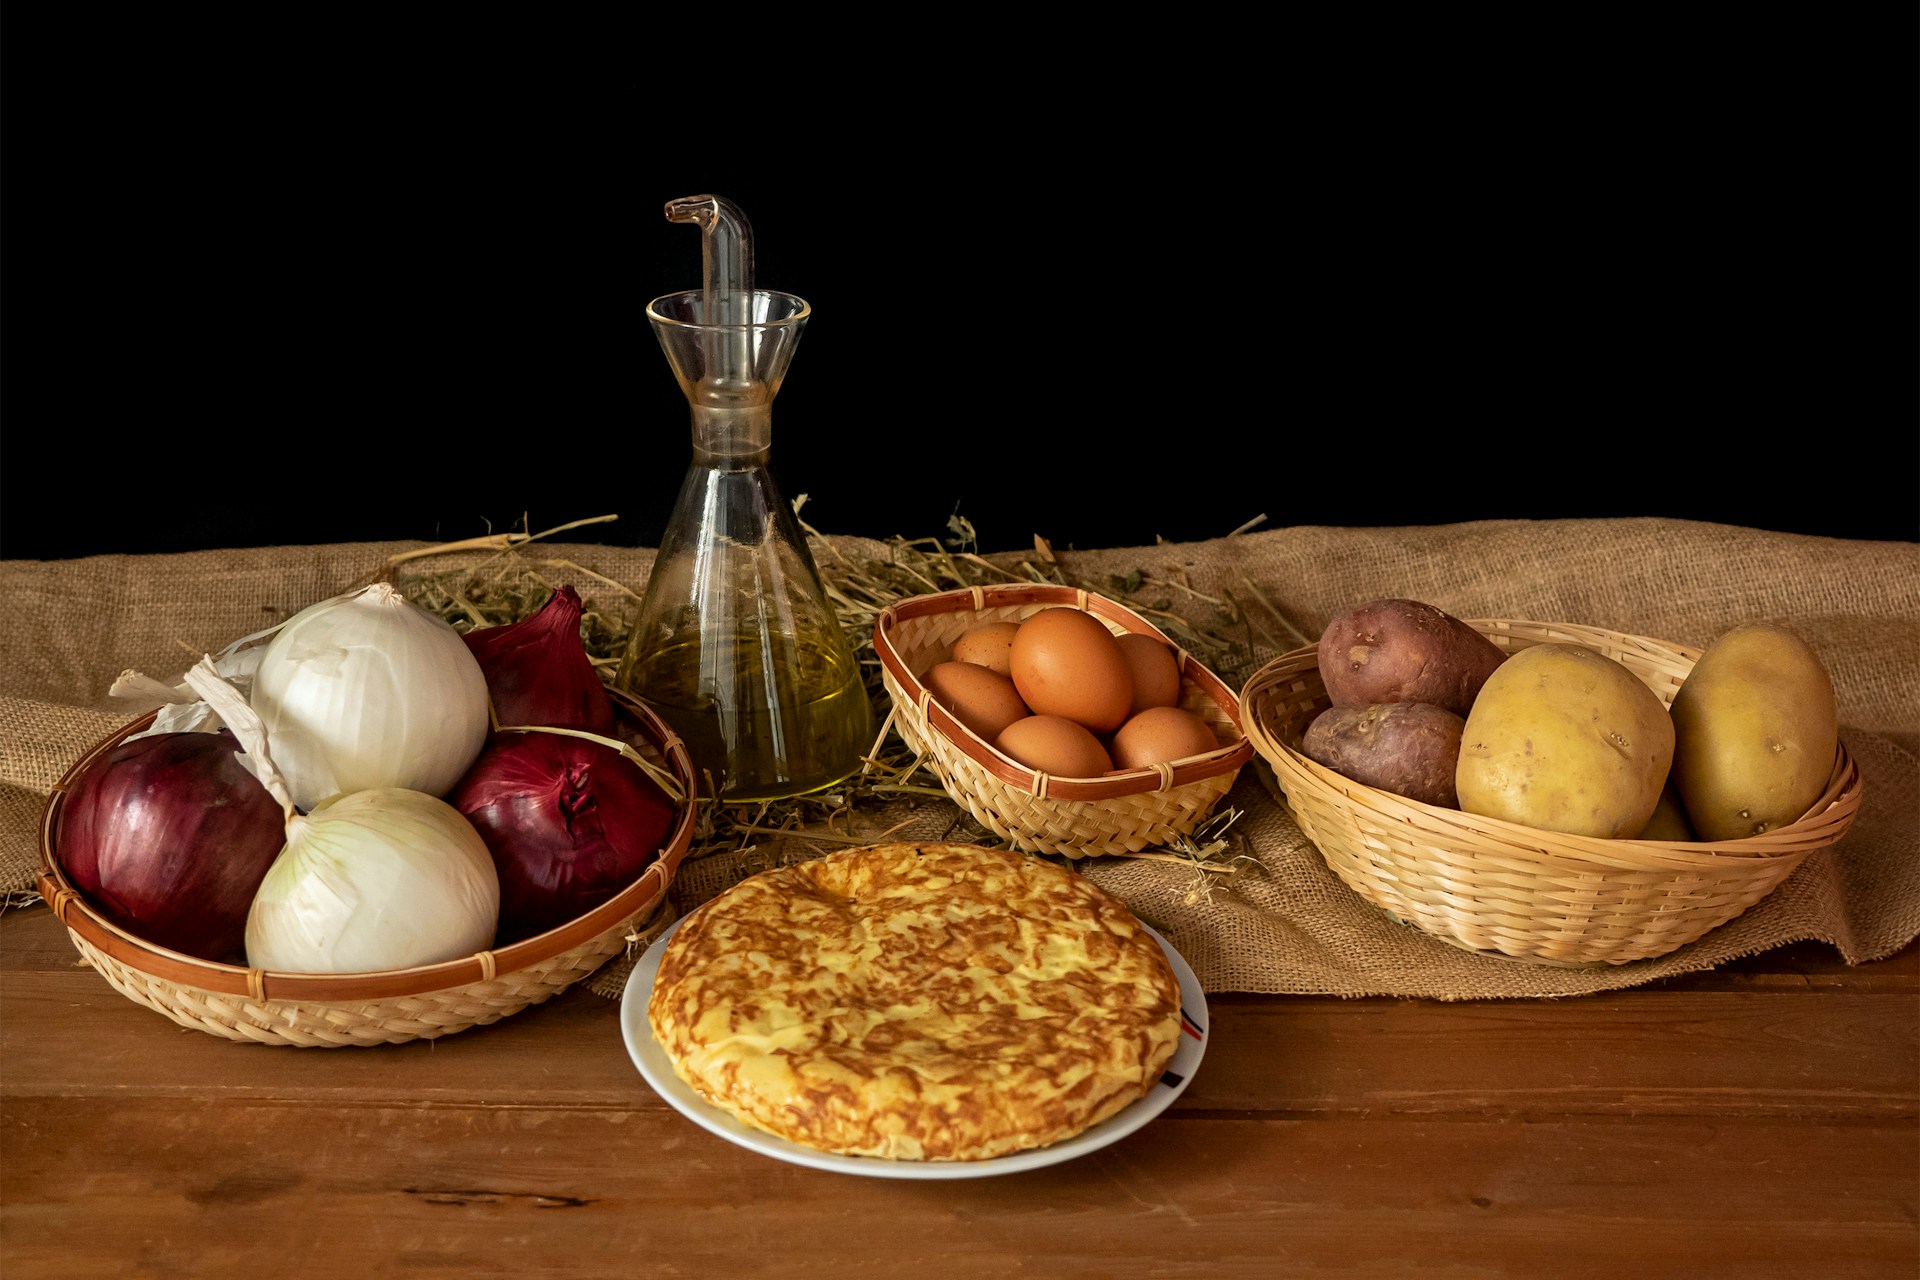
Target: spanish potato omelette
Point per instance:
(917, 1002)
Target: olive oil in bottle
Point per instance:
(735, 644)
(762, 735)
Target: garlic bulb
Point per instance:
(367, 690)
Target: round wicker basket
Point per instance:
(1503, 889)
(328, 1010)
(1125, 811)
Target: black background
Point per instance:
(294, 285)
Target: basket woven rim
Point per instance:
(1820, 827)
(72, 909)
(1126, 782)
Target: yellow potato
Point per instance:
(1755, 732)
(1669, 820)
(1564, 738)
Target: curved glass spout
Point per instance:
(726, 251)
(726, 283)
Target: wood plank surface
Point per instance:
(1762, 1119)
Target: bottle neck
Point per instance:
(732, 439)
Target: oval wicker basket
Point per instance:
(1503, 889)
(329, 1010)
(1125, 811)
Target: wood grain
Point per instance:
(1758, 1120)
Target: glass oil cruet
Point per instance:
(735, 644)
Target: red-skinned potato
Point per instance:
(1409, 748)
(1405, 651)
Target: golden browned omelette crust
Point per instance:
(917, 1002)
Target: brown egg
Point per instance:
(1156, 671)
(988, 645)
(981, 699)
(1161, 735)
(1066, 663)
(1055, 745)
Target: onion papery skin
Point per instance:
(538, 671)
(366, 692)
(168, 836)
(384, 878)
(570, 822)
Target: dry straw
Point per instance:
(1503, 889)
(502, 578)
(331, 1010)
(1124, 812)
(863, 579)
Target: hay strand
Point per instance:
(509, 584)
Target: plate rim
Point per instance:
(657, 1070)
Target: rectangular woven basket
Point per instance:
(1126, 811)
(330, 1010)
(1503, 889)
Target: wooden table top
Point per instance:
(1759, 1120)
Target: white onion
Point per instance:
(385, 878)
(181, 710)
(368, 690)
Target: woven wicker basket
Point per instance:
(1503, 889)
(323, 1010)
(1126, 811)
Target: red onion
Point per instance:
(169, 836)
(538, 671)
(570, 822)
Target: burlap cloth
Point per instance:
(1282, 924)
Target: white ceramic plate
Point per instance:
(657, 1068)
